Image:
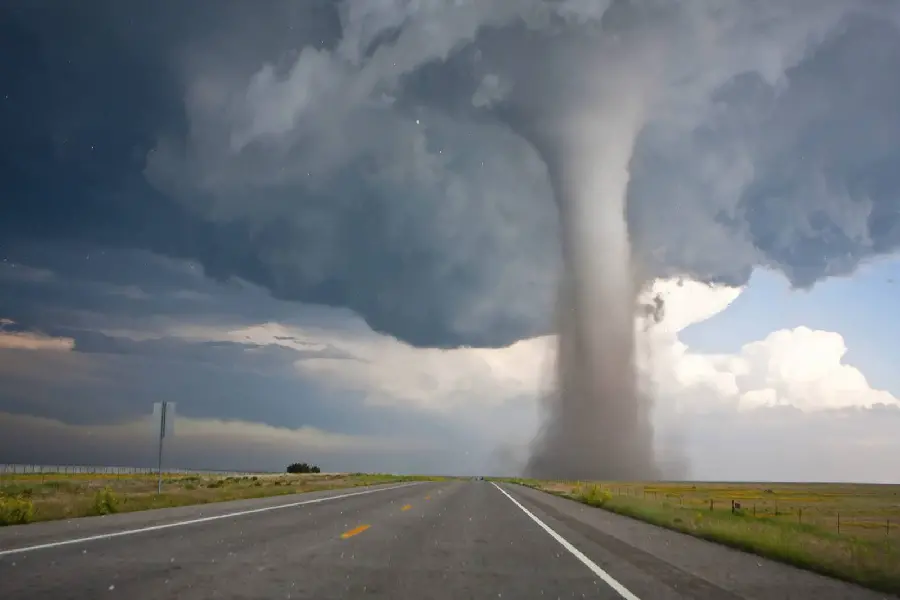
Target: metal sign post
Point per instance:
(166, 412)
(162, 435)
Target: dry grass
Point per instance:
(27, 498)
(793, 523)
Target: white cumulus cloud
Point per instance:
(799, 367)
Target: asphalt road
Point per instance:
(457, 539)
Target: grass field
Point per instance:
(26, 498)
(848, 531)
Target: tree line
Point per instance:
(303, 468)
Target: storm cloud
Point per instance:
(361, 154)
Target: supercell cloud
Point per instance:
(362, 154)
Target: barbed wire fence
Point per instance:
(851, 520)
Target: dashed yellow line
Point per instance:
(406, 507)
(354, 531)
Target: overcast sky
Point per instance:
(321, 229)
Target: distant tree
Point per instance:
(302, 468)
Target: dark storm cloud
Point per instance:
(79, 286)
(115, 381)
(235, 402)
(123, 353)
(278, 142)
(798, 174)
(105, 380)
(125, 76)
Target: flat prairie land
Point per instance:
(26, 498)
(845, 530)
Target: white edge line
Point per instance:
(606, 577)
(114, 534)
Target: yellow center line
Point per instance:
(406, 507)
(354, 531)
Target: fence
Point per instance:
(881, 519)
(8, 470)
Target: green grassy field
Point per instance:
(848, 531)
(26, 498)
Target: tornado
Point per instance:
(584, 123)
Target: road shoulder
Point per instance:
(631, 550)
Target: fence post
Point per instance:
(839, 522)
(800, 515)
(732, 507)
(710, 504)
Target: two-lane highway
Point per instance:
(456, 539)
